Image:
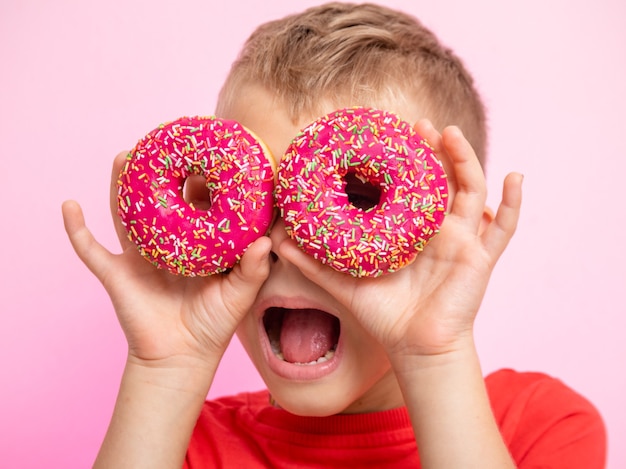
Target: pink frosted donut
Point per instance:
(175, 235)
(360, 150)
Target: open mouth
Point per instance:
(302, 336)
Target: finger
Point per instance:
(471, 188)
(499, 232)
(118, 164)
(95, 256)
(331, 280)
(196, 192)
(254, 264)
(426, 130)
(248, 276)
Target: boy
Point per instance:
(405, 373)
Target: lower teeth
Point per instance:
(327, 356)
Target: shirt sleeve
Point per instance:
(546, 424)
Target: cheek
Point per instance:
(247, 334)
(367, 358)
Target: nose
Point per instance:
(277, 235)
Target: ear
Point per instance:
(486, 219)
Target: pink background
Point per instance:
(81, 81)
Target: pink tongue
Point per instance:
(306, 335)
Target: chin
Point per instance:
(314, 401)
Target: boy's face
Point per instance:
(357, 377)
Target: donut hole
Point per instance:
(361, 192)
(196, 193)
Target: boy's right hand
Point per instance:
(166, 318)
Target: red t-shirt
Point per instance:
(543, 422)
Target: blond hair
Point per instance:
(366, 53)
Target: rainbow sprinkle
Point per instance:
(175, 235)
(379, 148)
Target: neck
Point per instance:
(383, 395)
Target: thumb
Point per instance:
(334, 282)
(248, 275)
(95, 256)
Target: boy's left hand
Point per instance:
(428, 308)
